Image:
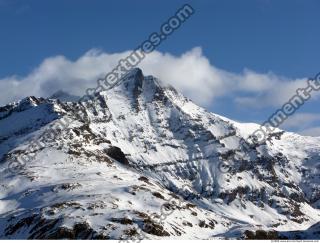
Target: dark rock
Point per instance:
(117, 154)
(261, 235)
(158, 195)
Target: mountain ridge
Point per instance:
(150, 144)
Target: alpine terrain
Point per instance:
(141, 161)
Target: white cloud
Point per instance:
(301, 121)
(57, 73)
(313, 131)
(191, 73)
(278, 92)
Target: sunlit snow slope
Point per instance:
(145, 162)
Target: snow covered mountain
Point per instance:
(144, 162)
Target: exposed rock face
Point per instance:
(116, 153)
(186, 173)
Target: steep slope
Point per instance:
(142, 161)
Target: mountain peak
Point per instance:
(134, 73)
(64, 96)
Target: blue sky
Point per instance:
(275, 39)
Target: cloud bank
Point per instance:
(303, 123)
(191, 73)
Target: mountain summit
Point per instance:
(143, 161)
